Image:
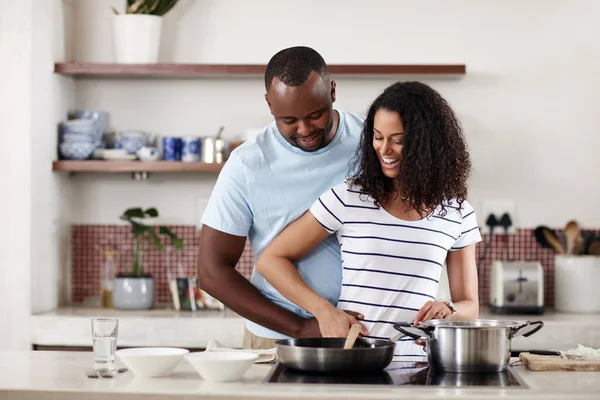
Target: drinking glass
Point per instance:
(104, 335)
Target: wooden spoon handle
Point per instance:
(553, 241)
(352, 335)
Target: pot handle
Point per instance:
(411, 330)
(517, 330)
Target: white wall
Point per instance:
(51, 97)
(33, 248)
(15, 162)
(528, 102)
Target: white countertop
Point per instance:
(70, 326)
(60, 375)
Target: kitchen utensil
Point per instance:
(103, 372)
(517, 287)
(540, 237)
(553, 241)
(328, 354)
(572, 234)
(545, 352)
(536, 362)
(479, 345)
(352, 335)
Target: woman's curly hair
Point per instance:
(434, 162)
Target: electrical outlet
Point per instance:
(498, 208)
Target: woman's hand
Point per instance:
(433, 310)
(334, 322)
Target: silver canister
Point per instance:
(213, 150)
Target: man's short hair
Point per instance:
(292, 66)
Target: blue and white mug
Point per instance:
(172, 148)
(191, 148)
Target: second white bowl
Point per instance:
(151, 362)
(221, 366)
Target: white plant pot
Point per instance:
(136, 38)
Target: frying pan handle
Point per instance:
(412, 331)
(517, 331)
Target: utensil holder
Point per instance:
(576, 281)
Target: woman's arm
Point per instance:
(462, 277)
(276, 265)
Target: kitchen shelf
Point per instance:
(134, 166)
(108, 70)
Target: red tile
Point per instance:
(90, 241)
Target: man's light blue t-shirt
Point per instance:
(265, 185)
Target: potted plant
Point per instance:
(136, 33)
(135, 290)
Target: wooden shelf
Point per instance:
(134, 166)
(106, 70)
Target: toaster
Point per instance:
(517, 287)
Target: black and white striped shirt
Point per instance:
(391, 267)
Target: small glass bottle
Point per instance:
(106, 281)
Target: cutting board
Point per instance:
(556, 363)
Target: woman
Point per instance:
(398, 219)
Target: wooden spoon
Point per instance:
(572, 233)
(553, 241)
(352, 335)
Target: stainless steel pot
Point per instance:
(468, 345)
(328, 355)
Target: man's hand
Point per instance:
(310, 326)
(334, 322)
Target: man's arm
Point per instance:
(219, 254)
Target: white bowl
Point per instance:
(221, 366)
(151, 362)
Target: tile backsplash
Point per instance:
(89, 242)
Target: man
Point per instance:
(269, 182)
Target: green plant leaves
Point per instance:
(139, 231)
(152, 7)
(175, 240)
(133, 213)
(164, 7)
(152, 212)
(155, 238)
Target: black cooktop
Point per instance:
(399, 374)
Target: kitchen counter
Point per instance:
(70, 326)
(60, 375)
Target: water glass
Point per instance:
(104, 334)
